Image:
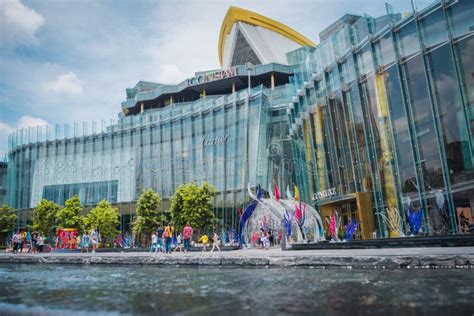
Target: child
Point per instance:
(154, 243)
(204, 240)
(265, 240)
(178, 243)
(215, 242)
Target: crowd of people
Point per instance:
(33, 242)
(265, 238)
(167, 240)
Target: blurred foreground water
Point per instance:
(112, 290)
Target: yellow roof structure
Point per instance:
(235, 14)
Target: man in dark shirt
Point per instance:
(159, 234)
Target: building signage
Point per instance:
(209, 140)
(324, 194)
(212, 76)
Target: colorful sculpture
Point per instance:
(274, 212)
(414, 220)
(351, 228)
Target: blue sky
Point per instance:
(70, 61)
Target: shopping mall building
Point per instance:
(379, 115)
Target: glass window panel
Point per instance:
(348, 70)
(386, 49)
(408, 40)
(365, 61)
(451, 113)
(464, 50)
(433, 28)
(423, 117)
(403, 145)
(460, 15)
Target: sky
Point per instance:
(71, 61)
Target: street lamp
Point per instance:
(249, 67)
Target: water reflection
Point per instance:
(49, 289)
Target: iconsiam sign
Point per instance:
(301, 222)
(213, 76)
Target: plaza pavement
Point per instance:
(432, 257)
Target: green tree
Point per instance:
(7, 221)
(148, 214)
(105, 218)
(70, 215)
(44, 217)
(193, 204)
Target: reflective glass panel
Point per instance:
(464, 50)
(408, 40)
(400, 125)
(433, 28)
(386, 49)
(423, 117)
(451, 113)
(461, 17)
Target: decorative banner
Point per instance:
(277, 193)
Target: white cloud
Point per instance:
(29, 121)
(67, 83)
(23, 122)
(18, 23)
(170, 73)
(5, 129)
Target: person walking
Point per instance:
(40, 243)
(264, 240)
(94, 239)
(271, 238)
(34, 238)
(179, 243)
(29, 244)
(204, 239)
(168, 235)
(159, 235)
(215, 242)
(154, 243)
(23, 240)
(15, 241)
(187, 233)
(85, 242)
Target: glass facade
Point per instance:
(228, 141)
(3, 182)
(394, 115)
(382, 107)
